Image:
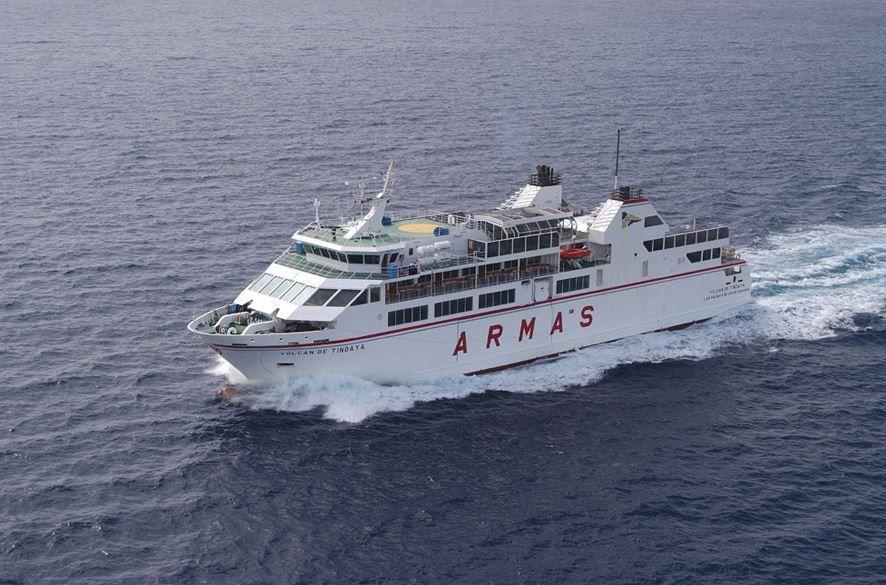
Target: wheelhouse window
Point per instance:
(652, 220)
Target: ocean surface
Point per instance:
(155, 156)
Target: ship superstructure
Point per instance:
(393, 296)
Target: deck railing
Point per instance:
(429, 289)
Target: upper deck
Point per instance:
(394, 229)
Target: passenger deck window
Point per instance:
(453, 307)
(410, 315)
(303, 295)
(494, 299)
(343, 297)
(361, 298)
(573, 284)
(319, 298)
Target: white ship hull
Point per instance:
(498, 338)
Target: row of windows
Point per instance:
(453, 307)
(347, 258)
(518, 245)
(689, 239)
(284, 289)
(573, 284)
(499, 297)
(700, 255)
(497, 233)
(331, 297)
(410, 315)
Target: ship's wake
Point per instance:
(808, 285)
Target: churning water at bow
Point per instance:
(155, 157)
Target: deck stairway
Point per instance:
(522, 197)
(603, 214)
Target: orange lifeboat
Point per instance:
(573, 253)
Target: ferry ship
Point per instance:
(393, 297)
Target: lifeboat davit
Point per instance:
(573, 253)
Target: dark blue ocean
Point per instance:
(156, 156)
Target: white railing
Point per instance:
(430, 289)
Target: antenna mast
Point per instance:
(617, 150)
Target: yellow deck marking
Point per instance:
(418, 228)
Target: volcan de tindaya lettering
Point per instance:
(392, 297)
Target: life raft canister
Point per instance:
(573, 253)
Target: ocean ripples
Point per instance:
(155, 159)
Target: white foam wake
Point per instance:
(807, 285)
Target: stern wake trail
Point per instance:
(807, 285)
